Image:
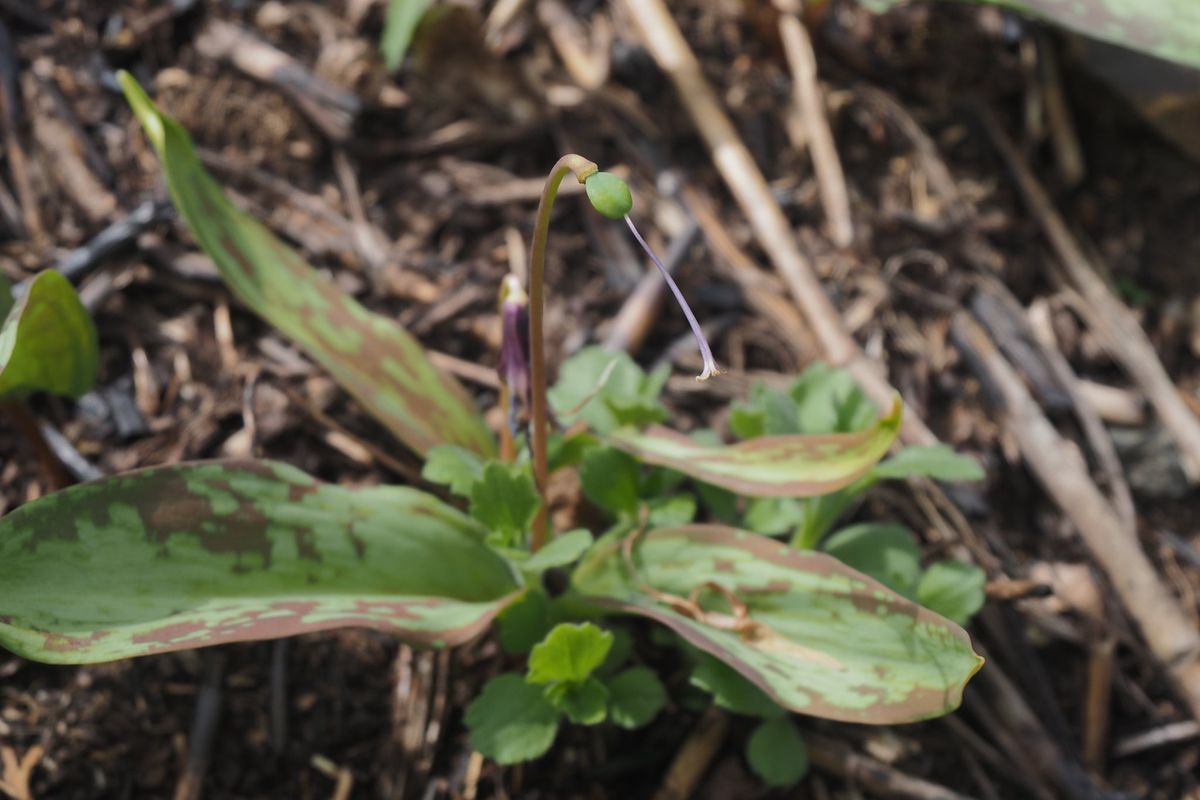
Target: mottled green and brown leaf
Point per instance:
(817, 636)
(1168, 29)
(769, 466)
(179, 557)
(371, 356)
(47, 342)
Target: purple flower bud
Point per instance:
(514, 339)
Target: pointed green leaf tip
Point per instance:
(47, 342)
(609, 194)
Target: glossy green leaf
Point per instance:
(180, 557)
(635, 697)
(937, 461)
(885, 551)
(1168, 29)
(769, 466)
(777, 754)
(569, 654)
(47, 342)
(511, 720)
(953, 589)
(401, 22)
(372, 357)
(819, 637)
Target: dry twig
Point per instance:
(1060, 469)
(1114, 323)
(830, 179)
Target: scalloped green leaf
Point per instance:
(369, 355)
(1168, 29)
(172, 558)
(48, 342)
(820, 638)
(769, 466)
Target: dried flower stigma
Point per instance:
(710, 364)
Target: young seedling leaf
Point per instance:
(887, 552)
(1168, 29)
(511, 720)
(569, 654)
(777, 753)
(610, 480)
(372, 357)
(453, 466)
(635, 697)
(47, 342)
(505, 500)
(560, 551)
(953, 589)
(179, 557)
(770, 466)
(938, 461)
(584, 704)
(669, 512)
(607, 390)
(815, 635)
(398, 29)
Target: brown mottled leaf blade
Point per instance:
(1168, 29)
(769, 466)
(817, 636)
(188, 556)
(371, 356)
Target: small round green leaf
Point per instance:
(777, 753)
(635, 697)
(511, 720)
(609, 194)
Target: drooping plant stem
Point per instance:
(539, 428)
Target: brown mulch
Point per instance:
(446, 160)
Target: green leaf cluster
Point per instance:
(570, 676)
(824, 400)
(607, 390)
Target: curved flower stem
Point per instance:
(539, 424)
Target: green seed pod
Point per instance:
(609, 194)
